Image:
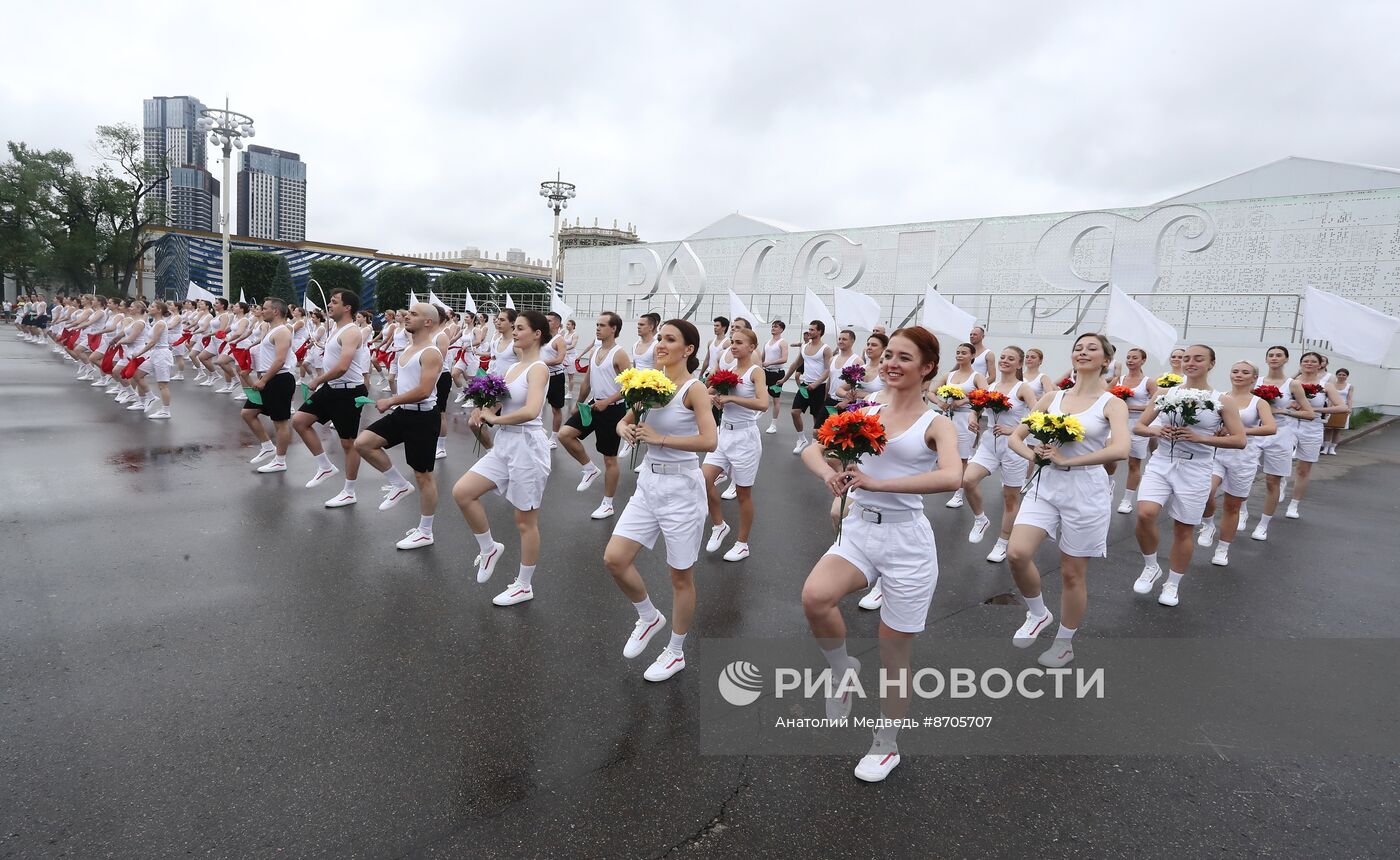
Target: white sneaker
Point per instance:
(159, 414)
(342, 500)
(717, 536)
(979, 529)
(1244, 518)
(737, 552)
(1207, 535)
(998, 553)
(723, 476)
(207, 383)
(553, 444)
(956, 501)
(877, 764)
(1221, 557)
(516, 592)
(320, 476)
(603, 511)
(1125, 506)
(667, 663)
(1060, 653)
(731, 493)
(395, 495)
(641, 635)
(624, 449)
(588, 477)
(486, 565)
(179, 377)
(772, 428)
(839, 707)
(1292, 512)
(415, 538)
(138, 405)
(1150, 574)
(263, 454)
(240, 397)
(801, 443)
(441, 454)
(98, 383)
(873, 599)
(277, 465)
(1031, 628)
(1168, 596)
(1261, 531)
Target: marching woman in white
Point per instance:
(503, 355)
(1174, 360)
(1035, 377)
(160, 361)
(1178, 475)
(517, 466)
(1307, 432)
(885, 538)
(874, 353)
(965, 377)
(994, 455)
(571, 353)
(1069, 500)
(1276, 451)
(1338, 421)
(669, 500)
(1235, 469)
(739, 447)
(1144, 389)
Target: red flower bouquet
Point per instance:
(1065, 384)
(723, 381)
(1267, 392)
(988, 398)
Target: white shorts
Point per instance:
(1236, 470)
(1276, 451)
(738, 452)
(182, 350)
(161, 364)
(1138, 446)
(967, 435)
(902, 557)
(1180, 486)
(995, 455)
(518, 464)
(1072, 508)
(672, 506)
(1307, 440)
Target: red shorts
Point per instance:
(94, 341)
(242, 358)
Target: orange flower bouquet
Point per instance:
(847, 437)
(1122, 392)
(988, 398)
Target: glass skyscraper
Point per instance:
(175, 147)
(272, 195)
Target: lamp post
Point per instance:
(226, 129)
(556, 194)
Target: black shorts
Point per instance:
(555, 396)
(336, 405)
(444, 390)
(42, 321)
(276, 397)
(814, 402)
(604, 425)
(416, 431)
(772, 377)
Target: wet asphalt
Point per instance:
(199, 661)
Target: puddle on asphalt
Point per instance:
(1006, 599)
(139, 459)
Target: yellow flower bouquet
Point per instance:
(1051, 428)
(644, 390)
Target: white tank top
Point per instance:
(1206, 425)
(812, 365)
(904, 455)
(165, 339)
(646, 359)
(1095, 426)
(570, 347)
(1139, 400)
(411, 374)
(716, 349)
(143, 335)
(772, 351)
(1318, 400)
(1018, 410)
(673, 419)
(727, 361)
(299, 335)
(267, 351)
(503, 356)
(873, 382)
(550, 352)
(833, 377)
(1038, 386)
(602, 379)
(517, 392)
(401, 339)
(359, 363)
(733, 412)
(964, 385)
(980, 363)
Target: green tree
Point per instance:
(255, 275)
(393, 284)
(334, 275)
(527, 293)
(128, 195)
(481, 288)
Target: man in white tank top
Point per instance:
(554, 355)
(814, 363)
(717, 345)
(983, 360)
(775, 358)
(644, 351)
(601, 394)
(411, 419)
(333, 394)
(272, 376)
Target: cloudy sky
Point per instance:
(430, 125)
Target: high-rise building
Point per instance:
(175, 147)
(272, 195)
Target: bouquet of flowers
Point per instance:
(1170, 380)
(853, 375)
(1065, 384)
(723, 381)
(1051, 428)
(988, 398)
(849, 436)
(1268, 393)
(486, 391)
(949, 394)
(1122, 392)
(644, 390)
(1182, 406)
(1312, 389)
(856, 405)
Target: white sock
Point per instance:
(1174, 578)
(722, 525)
(645, 611)
(425, 524)
(1149, 560)
(268, 446)
(837, 658)
(349, 486)
(485, 541)
(396, 477)
(323, 462)
(1225, 545)
(1130, 495)
(1002, 543)
(280, 459)
(589, 469)
(806, 435)
(608, 500)
(1066, 633)
(527, 573)
(981, 518)
(677, 642)
(890, 730)
(442, 443)
(1036, 605)
(1264, 520)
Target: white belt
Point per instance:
(737, 425)
(417, 407)
(877, 516)
(344, 384)
(673, 468)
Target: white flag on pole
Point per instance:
(241, 299)
(1351, 329)
(943, 317)
(196, 292)
(307, 304)
(412, 298)
(434, 300)
(510, 303)
(740, 311)
(557, 305)
(815, 309)
(470, 303)
(1135, 325)
(857, 310)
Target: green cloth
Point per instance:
(305, 393)
(364, 401)
(585, 414)
(254, 396)
(775, 389)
